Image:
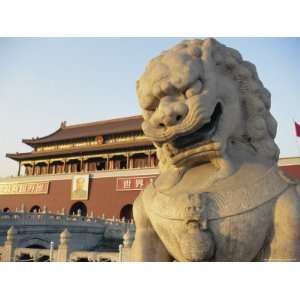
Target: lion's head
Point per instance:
(200, 99)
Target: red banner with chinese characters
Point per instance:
(22, 188)
(133, 183)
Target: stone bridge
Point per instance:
(40, 230)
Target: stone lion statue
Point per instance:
(220, 195)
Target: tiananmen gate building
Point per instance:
(98, 167)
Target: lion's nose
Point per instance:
(171, 113)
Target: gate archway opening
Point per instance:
(44, 258)
(6, 209)
(82, 259)
(36, 246)
(78, 206)
(24, 258)
(126, 212)
(35, 208)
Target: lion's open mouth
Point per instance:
(203, 134)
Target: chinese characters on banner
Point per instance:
(28, 188)
(133, 183)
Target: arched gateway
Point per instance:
(126, 212)
(78, 207)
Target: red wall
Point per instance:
(103, 198)
(293, 171)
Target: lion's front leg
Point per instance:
(285, 242)
(147, 246)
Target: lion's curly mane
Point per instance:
(259, 125)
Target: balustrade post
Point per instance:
(128, 238)
(44, 209)
(63, 248)
(9, 245)
(124, 250)
(120, 253)
(22, 208)
(51, 250)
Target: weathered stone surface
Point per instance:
(220, 195)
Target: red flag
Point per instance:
(297, 126)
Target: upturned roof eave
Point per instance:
(32, 142)
(13, 156)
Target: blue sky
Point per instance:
(44, 81)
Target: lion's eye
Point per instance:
(194, 89)
(153, 106)
(150, 103)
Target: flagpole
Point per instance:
(297, 142)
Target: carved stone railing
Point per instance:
(39, 255)
(25, 218)
(97, 233)
(9, 251)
